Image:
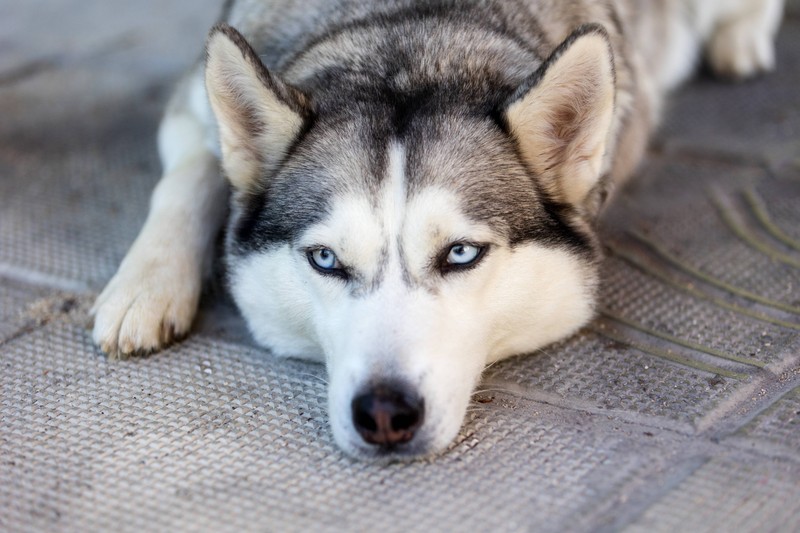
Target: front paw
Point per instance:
(147, 305)
(741, 49)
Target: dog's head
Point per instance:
(408, 238)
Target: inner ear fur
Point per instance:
(561, 116)
(259, 116)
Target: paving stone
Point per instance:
(215, 435)
(693, 231)
(592, 371)
(780, 424)
(750, 120)
(15, 300)
(779, 205)
(72, 214)
(212, 436)
(725, 495)
(46, 225)
(678, 311)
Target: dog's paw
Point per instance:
(742, 48)
(737, 52)
(146, 306)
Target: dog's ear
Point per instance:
(259, 116)
(561, 115)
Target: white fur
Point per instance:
(569, 156)
(435, 333)
(680, 58)
(279, 315)
(400, 319)
(153, 297)
(738, 37)
(235, 91)
(395, 191)
(742, 36)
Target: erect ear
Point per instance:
(259, 116)
(561, 115)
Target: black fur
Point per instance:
(427, 108)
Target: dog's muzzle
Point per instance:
(387, 415)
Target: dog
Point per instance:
(411, 187)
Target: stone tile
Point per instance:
(708, 233)
(726, 495)
(24, 307)
(638, 295)
(216, 435)
(14, 301)
(777, 429)
(594, 372)
(213, 436)
(750, 120)
(92, 107)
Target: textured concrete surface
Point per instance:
(678, 408)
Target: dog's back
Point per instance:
(496, 43)
(487, 48)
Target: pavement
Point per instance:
(677, 409)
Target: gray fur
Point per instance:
(433, 75)
(521, 115)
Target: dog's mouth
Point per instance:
(419, 448)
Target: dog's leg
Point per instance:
(741, 43)
(153, 297)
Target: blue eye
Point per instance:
(461, 254)
(323, 259)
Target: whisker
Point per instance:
(314, 376)
(493, 389)
(493, 363)
(543, 352)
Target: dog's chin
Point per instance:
(426, 445)
(403, 453)
(397, 454)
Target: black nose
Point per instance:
(387, 415)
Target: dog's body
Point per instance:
(414, 184)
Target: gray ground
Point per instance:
(677, 409)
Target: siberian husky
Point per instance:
(412, 185)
